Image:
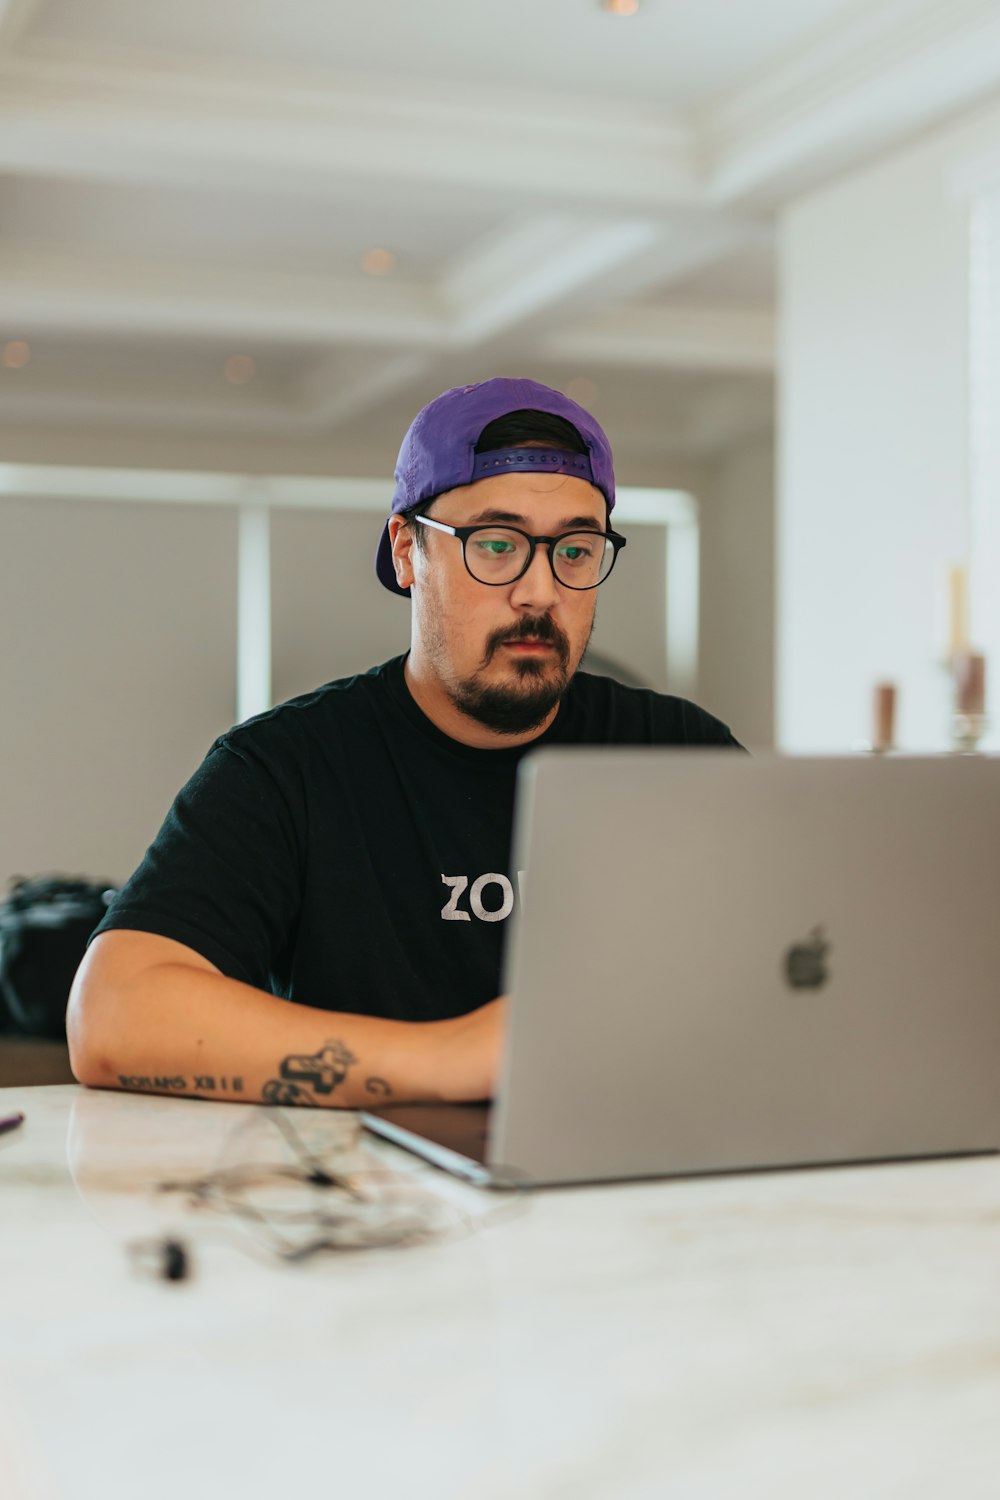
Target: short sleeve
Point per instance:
(224, 873)
(702, 728)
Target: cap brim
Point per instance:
(384, 570)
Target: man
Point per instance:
(320, 918)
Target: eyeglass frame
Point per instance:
(464, 532)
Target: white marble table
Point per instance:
(799, 1334)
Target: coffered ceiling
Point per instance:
(550, 189)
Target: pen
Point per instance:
(10, 1122)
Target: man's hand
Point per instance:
(470, 1048)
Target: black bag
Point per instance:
(44, 927)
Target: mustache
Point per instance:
(530, 627)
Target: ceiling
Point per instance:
(582, 197)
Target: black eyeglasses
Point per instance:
(500, 555)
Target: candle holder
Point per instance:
(967, 729)
(969, 723)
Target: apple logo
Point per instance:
(805, 963)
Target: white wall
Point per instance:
(873, 441)
(330, 615)
(736, 676)
(117, 625)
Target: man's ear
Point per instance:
(401, 540)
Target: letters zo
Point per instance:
(489, 898)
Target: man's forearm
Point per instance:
(178, 1030)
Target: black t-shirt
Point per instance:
(343, 852)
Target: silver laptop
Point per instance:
(725, 963)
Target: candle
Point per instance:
(958, 601)
(970, 681)
(885, 716)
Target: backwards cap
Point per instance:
(439, 450)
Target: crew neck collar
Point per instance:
(395, 680)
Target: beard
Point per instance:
(514, 707)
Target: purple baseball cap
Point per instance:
(438, 451)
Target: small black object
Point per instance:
(167, 1259)
(175, 1263)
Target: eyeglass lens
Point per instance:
(580, 559)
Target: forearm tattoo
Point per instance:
(175, 1083)
(309, 1079)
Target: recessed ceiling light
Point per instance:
(240, 369)
(582, 390)
(621, 7)
(16, 354)
(377, 262)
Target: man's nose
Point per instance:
(537, 587)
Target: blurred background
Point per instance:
(243, 241)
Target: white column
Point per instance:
(253, 630)
(678, 512)
(682, 607)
